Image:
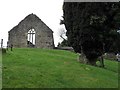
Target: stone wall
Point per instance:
(43, 34)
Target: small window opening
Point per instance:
(31, 38)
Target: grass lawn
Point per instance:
(42, 68)
(0, 69)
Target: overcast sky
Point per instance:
(13, 11)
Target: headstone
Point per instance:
(11, 46)
(7, 45)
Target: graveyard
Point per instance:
(49, 68)
(85, 55)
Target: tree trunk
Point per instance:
(92, 62)
(82, 59)
(101, 60)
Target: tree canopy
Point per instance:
(91, 26)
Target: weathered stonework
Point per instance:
(43, 34)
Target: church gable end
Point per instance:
(31, 32)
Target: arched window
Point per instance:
(31, 38)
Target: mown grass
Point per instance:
(0, 69)
(42, 68)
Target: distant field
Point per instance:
(42, 68)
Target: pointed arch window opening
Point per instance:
(31, 38)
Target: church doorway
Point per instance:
(31, 38)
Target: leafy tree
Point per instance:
(62, 35)
(115, 47)
(91, 27)
(64, 43)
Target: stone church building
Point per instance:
(31, 32)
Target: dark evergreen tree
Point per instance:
(91, 27)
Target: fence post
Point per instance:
(1, 43)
